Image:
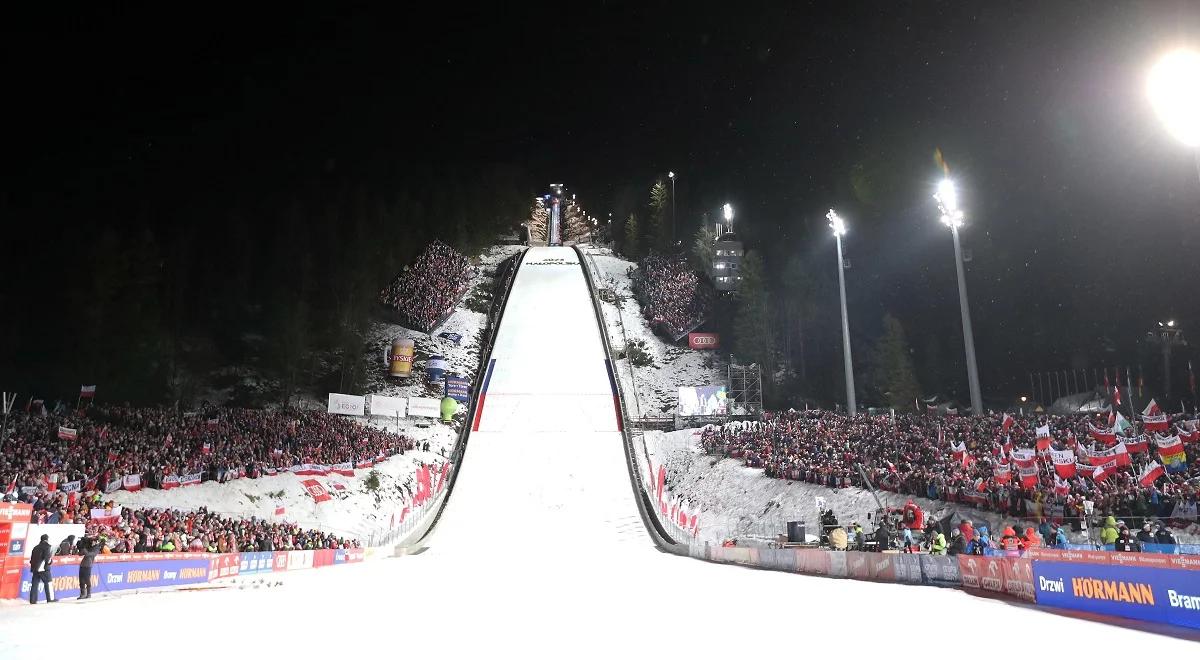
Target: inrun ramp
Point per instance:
(541, 553)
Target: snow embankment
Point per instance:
(650, 391)
(735, 501)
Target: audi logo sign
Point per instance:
(704, 341)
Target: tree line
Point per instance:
(260, 297)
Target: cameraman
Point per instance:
(89, 549)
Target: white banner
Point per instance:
(56, 533)
(347, 404)
(389, 405)
(419, 406)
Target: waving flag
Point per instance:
(1171, 451)
(1105, 471)
(1109, 438)
(1064, 463)
(87, 391)
(67, 433)
(1029, 476)
(1152, 472)
(1120, 424)
(1002, 472)
(1153, 418)
(1006, 422)
(1136, 444)
(1061, 487)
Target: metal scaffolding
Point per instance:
(745, 389)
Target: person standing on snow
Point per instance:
(89, 549)
(39, 570)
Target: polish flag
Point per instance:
(1006, 422)
(1153, 471)
(1104, 471)
(280, 510)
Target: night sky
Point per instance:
(1083, 214)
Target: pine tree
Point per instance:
(753, 339)
(893, 374)
(631, 248)
(539, 221)
(657, 231)
(575, 225)
(704, 248)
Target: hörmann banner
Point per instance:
(1147, 587)
(704, 341)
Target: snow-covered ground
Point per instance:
(651, 391)
(356, 511)
(463, 359)
(541, 554)
(736, 501)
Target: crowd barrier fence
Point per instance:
(122, 572)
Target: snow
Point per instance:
(650, 391)
(741, 502)
(541, 554)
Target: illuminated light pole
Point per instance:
(1174, 90)
(671, 176)
(839, 229)
(727, 210)
(1169, 334)
(952, 217)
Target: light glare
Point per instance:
(836, 223)
(947, 199)
(1174, 91)
(728, 212)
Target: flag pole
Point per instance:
(1129, 386)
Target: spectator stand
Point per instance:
(426, 293)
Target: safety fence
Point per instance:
(128, 572)
(1149, 587)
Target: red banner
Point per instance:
(132, 482)
(704, 341)
(222, 566)
(316, 490)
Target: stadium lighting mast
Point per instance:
(1174, 90)
(952, 217)
(839, 229)
(727, 210)
(671, 176)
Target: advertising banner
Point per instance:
(458, 388)
(281, 561)
(344, 469)
(223, 566)
(316, 490)
(940, 571)
(347, 404)
(1136, 592)
(837, 563)
(419, 406)
(708, 400)
(255, 562)
(857, 566)
(1008, 575)
(435, 368)
(299, 560)
(908, 568)
(704, 341)
(389, 406)
(118, 575)
(815, 562)
(322, 558)
(190, 479)
(882, 566)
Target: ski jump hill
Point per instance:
(545, 548)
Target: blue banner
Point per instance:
(1135, 592)
(458, 388)
(339, 556)
(115, 576)
(256, 562)
(452, 337)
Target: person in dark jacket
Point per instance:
(958, 546)
(39, 570)
(1145, 536)
(67, 547)
(1125, 543)
(89, 548)
(1164, 536)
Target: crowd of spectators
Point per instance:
(675, 300)
(425, 293)
(915, 455)
(170, 530)
(218, 444)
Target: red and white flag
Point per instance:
(1136, 445)
(1105, 471)
(87, 391)
(280, 510)
(67, 433)
(1061, 487)
(1029, 476)
(1153, 471)
(1002, 473)
(1006, 422)
(1064, 463)
(132, 482)
(1151, 409)
(1109, 438)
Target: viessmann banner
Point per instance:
(1146, 587)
